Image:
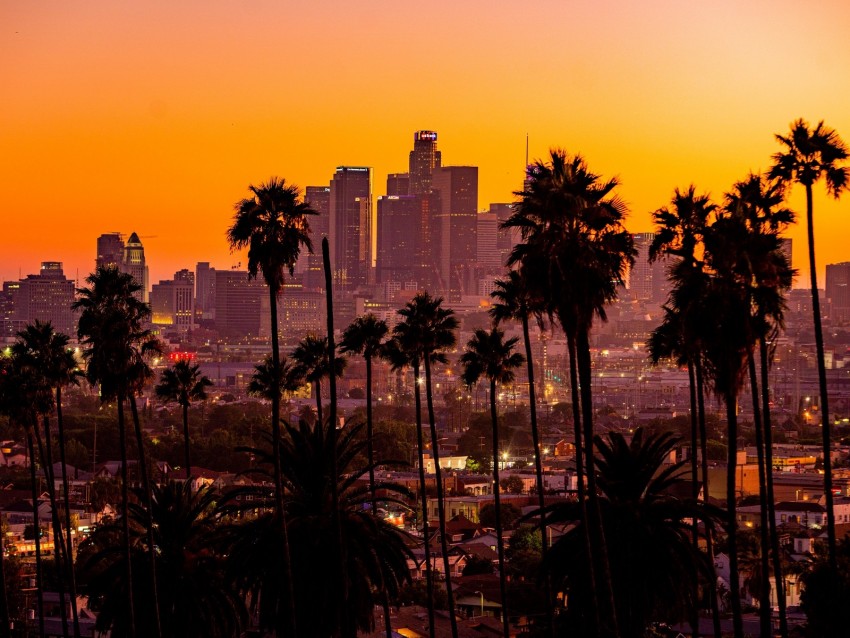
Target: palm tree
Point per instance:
(488, 354)
(272, 224)
(116, 347)
(402, 351)
(262, 382)
(375, 551)
(195, 598)
(573, 222)
(51, 359)
(652, 558)
(808, 155)
(312, 363)
(757, 203)
(184, 384)
(431, 329)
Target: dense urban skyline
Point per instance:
(155, 119)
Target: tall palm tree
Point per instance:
(312, 363)
(652, 558)
(809, 155)
(195, 597)
(573, 221)
(262, 383)
(375, 551)
(402, 351)
(273, 225)
(431, 328)
(115, 347)
(48, 353)
(488, 354)
(757, 203)
(184, 384)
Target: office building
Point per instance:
(47, 296)
(241, 306)
(838, 291)
(204, 291)
(424, 159)
(173, 303)
(110, 250)
(310, 264)
(488, 256)
(647, 281)
(134, 264)
(351, 233)
(454, 231)
(398, 184)
(398, 237)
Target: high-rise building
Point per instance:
(424, 159)
(310, 265)
(134, 263)
(204, 290)
(648, 281)
(110, 250)
(507, 237)
(352, 241)
(173, 303)
(47, 296)
(9, 325)
(838, 291)
(241, 305)
(454, 235)
(398, 184)
(489, 258)
(398, 237)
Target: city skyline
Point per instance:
(135, 118)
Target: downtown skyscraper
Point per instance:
(351, 226)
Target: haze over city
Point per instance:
(155, 118)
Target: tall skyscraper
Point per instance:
(46, 296)
(838, 291)
(310, 265)
(398, 238)
(352, 240)
(398, 184)
(110, 250)
(134, 263)
(488, 255)
(507, 237)
(241, 305)
(454, 235)
(647, 282)
(204, 290)
(424, 159)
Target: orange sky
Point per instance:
(154, 116)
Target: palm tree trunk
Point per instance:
(72, 576)
(771, 501)
(441, 505)
(4, 599)
(764, 539)
(280, 512)
(503, 590)
(581, 492)
(826, 423)
(36, 531)
(45, 449)
(692, 392)
(125, 519)
(538, 470)
(347, 626)
(146, 488)
(429, 578)
(732, 519)
(709, 535)
(597, 529)
(186, 442)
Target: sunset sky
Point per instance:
(155, 116)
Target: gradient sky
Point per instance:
(155, 116)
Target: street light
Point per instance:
(482, 602)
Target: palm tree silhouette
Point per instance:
(809, 155)
(262, 383)
(375, 551)
(184, 384)
(755, 202)
(272, 224)
(431, 328)
(402, 351)
(488, 354)
(571, 224)
(653, 561)
(116, 347)
(195, 596)
(47, 352)
(312, 363)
